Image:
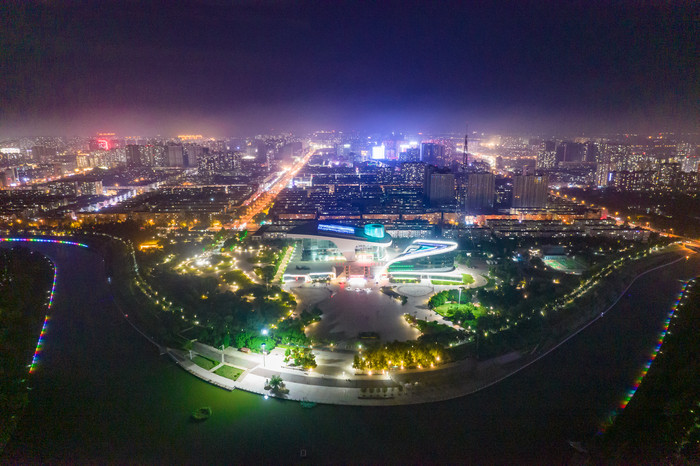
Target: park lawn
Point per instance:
(447, 311)
(229, 372)
(467, 279)
(204, 363)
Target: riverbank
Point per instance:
(335, 382)
(97, 371)
(27, 284)
(658, 419)
(398, 387)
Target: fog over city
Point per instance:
(224, 68)
(468, 230)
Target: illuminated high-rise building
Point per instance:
(159, 155)
(411, 154)
(432, 153)
(218, 162)
(481, 191)
(412, 173)
(667, 175)
(619, 156)
(530, 191)
(192, 153)
(603, 174)
(592, 152)
(133, 155)
(176, 156)
(690, 163)
(547, 155)
(570, 152)
(378, 152)
(88, 188)
(439, 186)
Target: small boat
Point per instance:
(307, 404)
(578, 446)
(202, 414)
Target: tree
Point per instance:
(304, 357)
(266, 273)
(276, 384)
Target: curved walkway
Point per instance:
(414, 386)
(333, 386)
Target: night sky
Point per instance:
(227, 68)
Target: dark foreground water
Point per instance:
(103, 394)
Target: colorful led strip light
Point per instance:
(39, 343)
(645, 370)
(44, 240)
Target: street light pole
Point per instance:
(264, 332)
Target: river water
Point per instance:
(102, 393)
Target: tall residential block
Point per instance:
(481, 191)
(530, 191)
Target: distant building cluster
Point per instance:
(416, 185)
(627, 163)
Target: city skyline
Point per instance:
(446, 222)
(223, 69)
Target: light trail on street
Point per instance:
(260, 201)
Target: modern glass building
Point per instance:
(424, 256)
(364, 251)
(332, 242)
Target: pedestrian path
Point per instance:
(283, 264)
(444, 382)
(215, 379)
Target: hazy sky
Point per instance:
(225, 68)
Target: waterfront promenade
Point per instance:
(334, 380)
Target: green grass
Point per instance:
(229, 372)
(204, 363)
(466, 280)
(448, 311)
(404, 280)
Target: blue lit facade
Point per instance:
(335, 242)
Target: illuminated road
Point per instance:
(261, 201)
